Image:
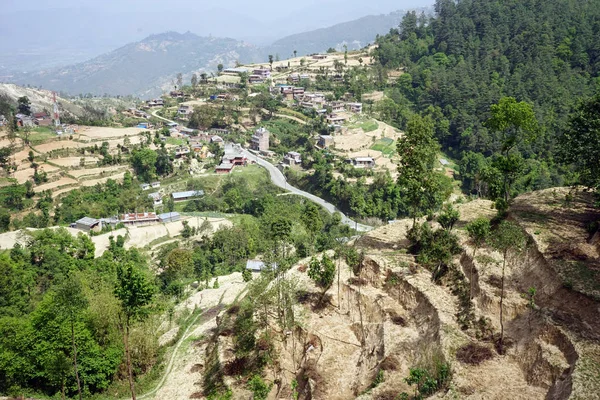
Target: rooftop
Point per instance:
(189, 193)
(87, 221)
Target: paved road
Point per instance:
(279, 180)
(159, 117)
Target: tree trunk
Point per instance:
(501, 343)
(471, 277)
(128, 358)
(75, 360)
(62, 389)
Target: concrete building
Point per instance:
(156, 199)
(363, 162)
(260, 140)
(292, 158)
(145, 218)
(325, 141)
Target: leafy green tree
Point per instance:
(579, 145)
(194, 81)
(134, 291)
(448, 217)
(259, 388)
(516, 123)
(322, 272)
(419, 184)
(246, 275)
(271, 61)
(71, 302)
(143, 162)
(507, 238)
(311, 218)
(479, 231)
(220, 68)
(24, 105)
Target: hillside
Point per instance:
(40, 99)
(143, 68)
(355, 34)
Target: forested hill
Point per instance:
(474, 52)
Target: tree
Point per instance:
(271, 61)
(143, 162)
(246, 275)
(448, 217)
(419, 183)
(24, 105)
(220, 68)
(194, 81)
(516, 124)
(5, 161)
(479, 232)
(579, 145)
(134, 291)
(163, 164)
(311, 218)
(295, 53)
(71, 302)
(322, 272)
(507, 238)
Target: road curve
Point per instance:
(279, 180)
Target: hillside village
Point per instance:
(345, 224)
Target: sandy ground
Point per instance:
(78, 173)
(99, 133)
(24, 174)
(64, 181)
(181, 382)
(58, 145)
(357, 139)
(73, 161)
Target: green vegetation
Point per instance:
(385, 145)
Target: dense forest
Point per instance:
(474, 53)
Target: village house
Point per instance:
(88, 224)
(182, 151)
(337, 106)
(363, 162)
(24, 120)
(325, 141)
(304, 76)
(292, 158)
(224, 168)
(176, 94)
(145, 218)
(184, 111)
(155, 185)
(298, 91)
(218, 140)
(155, 103)
(265, 73)
(187, 195)
(294, 78)
(319, 57)
(260, 140)
(355, 107)
(219, 131)
(335, 119)
(258, 266)
(42, 119)
(145, 186)
(156, 199)
(256, 79)
(234, 71)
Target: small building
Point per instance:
(88, 224)
(256, 79)
(265, 73)
(234, 71)
(224, 168)
(258, 266)
(145, 186)
(169, 217)
(355, 107)
(260, 140)
(145, 218)
(325, 141)
(319, 57)
(337, 106)
(155, 184)
(219, 131)
(176, 94)
(335, 119)
(156, 199)
(184, 111)
(294, 78)
(190, 194)
(363, 162)
(182, 151)
(292, 158)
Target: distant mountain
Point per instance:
(144, 68)
(355, 34)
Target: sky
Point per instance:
(53, 32)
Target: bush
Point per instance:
(260, 389)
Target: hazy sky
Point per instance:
(37, 32)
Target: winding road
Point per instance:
(279, 180)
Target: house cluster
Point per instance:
(177, 94)
(147, 186)
(137, 113)
(35, 119)
(88, 224)
(296, 77)
(155, 103)
(259, 75)
(231, 158)
(288, 92)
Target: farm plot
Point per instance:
(99, 133)
(70, 162)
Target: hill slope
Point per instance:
(355, 34)
(145, 67)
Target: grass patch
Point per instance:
(175, 141)
(385, 145)
(369, 126)
(40, 135)
(292, 113)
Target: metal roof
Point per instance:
(87, 221)
(169, 215)
(189, 193)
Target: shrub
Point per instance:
(474, 354)
(260, 389)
